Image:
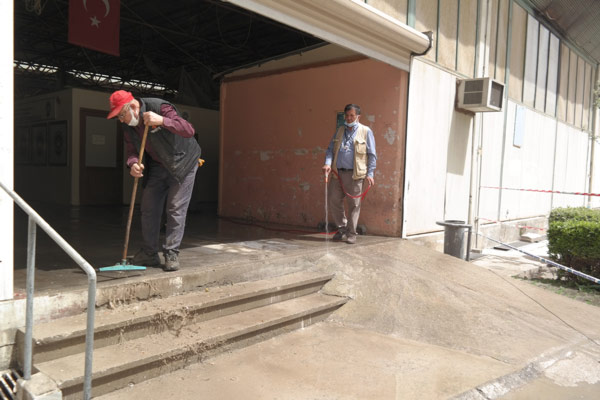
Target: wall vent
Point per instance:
(480, 95)
(8, 384)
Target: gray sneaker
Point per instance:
(171, 260)
(146, 259)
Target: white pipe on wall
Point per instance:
(594, 135)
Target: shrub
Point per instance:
(575, 214)
(574, 240)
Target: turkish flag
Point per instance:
(95, 24)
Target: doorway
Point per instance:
(101, 152)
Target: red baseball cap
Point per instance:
(117, 100)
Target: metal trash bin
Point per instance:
(454, 238)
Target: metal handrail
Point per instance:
(35, 219)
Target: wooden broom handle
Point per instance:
(132, 204)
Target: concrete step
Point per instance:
(66, 336)
(133, 361)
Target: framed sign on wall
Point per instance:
(57, 146)
(38, 144)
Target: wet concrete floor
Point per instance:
(420, 325)
(98, 234)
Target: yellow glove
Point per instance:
(200, 162)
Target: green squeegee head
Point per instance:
(123, 266)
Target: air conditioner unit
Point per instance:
(481, 94)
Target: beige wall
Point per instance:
(395, 8)
(275, 129)
(60, 184)
(206, 124)
(517, 53)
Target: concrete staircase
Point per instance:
(140, 341)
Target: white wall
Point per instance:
(551, 156)
(492, 142)
(438, 147)
(6, 151)
(529, 166)
(571, 166)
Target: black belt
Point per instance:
(344, 169)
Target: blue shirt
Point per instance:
(345, 157)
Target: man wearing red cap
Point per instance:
(169, 170)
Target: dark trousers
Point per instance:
(161, 187)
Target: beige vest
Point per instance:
(360, 150)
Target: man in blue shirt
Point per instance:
(351, 153)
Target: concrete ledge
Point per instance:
(39, 387)
(504, 384)
(506, 231)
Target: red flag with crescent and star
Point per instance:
(95, 24)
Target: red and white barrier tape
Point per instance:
(546, 261)
(541, 191)
(520, 226)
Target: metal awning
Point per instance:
(348, 23)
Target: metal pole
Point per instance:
(31, 240)
(468, 256)
(35, 218)
(592, 155)
(89, 336)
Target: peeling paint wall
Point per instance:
(275, 129)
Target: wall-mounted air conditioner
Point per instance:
(481, 94)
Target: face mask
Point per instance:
(351, 124)
(133, 121)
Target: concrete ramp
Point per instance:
(409, 291)
(420, 325)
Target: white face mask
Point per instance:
(133, 121)
(351, 124)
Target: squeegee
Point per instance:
(124, 265)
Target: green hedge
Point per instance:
(574, 240)
(574, 214)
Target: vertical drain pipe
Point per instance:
(480, 68)
(594, 122)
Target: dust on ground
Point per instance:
(523, 267)
(589, 294)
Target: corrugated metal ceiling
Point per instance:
(578, 20)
